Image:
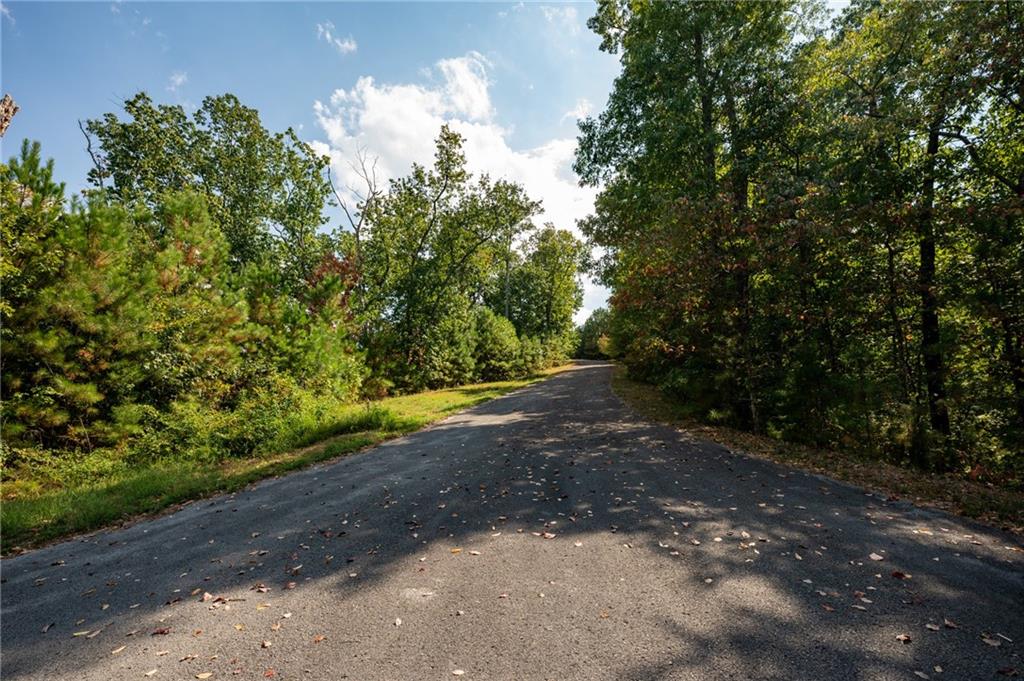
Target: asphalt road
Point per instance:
(548, 534)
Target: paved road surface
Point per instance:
(549, 534)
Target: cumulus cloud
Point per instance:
(397, 124)
(326, 32)
(177, 79)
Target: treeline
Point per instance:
(815, 231)
(196, 303)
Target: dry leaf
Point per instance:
(875, 556)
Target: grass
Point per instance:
(1000, 507)
(32, 514)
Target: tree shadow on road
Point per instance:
(693, 561)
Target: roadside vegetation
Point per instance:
(997, 505)
(197, 313)
(57, 500)
(813, 227)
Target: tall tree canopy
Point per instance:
(267, 191)
(803, 226)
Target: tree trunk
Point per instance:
(706, 113)
(931, 348)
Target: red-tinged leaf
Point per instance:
(162, 631)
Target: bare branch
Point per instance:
(88, 147)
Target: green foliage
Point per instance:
(594, 335)
(497, 352)
(800, 229)
(431, 244)
(128, 331)
(544, 290)
(267, 191)
(191, 310)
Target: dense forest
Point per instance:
(812, 225)
(196, 300)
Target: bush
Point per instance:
(497, 348)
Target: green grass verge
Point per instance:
(31, 515)
(993, 505)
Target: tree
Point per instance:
(267, 191)
(804, 231)
(594, 335)
(543, 290)
(426, 253)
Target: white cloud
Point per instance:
(6, 12)
(581, 110)
(564, 16)
(326, 31)
(397, 125)
(177, 79)
(466, 85)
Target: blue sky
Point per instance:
(511, 77)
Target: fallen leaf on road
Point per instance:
(456, 550)
(318, 638)
(950, 624)
(204, 675)
(875, 556)
(994, 642)
(398, 621)
(150, 672)
(162, 631)
(47, 627)
(932, 627)
(903, 638)
(115, 651)
(457, 672)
